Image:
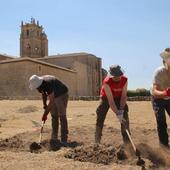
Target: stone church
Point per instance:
(81, 72)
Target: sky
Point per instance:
(131, 33)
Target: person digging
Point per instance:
(113, 95)
(57, 92)
(160, 92)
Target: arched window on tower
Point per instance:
(27, 32)
(28, 46)
(36, 50)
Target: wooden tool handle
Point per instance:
(42, 125)
(133, 145)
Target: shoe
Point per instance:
(65, 144)
(55, 144)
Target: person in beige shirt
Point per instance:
(160, 92)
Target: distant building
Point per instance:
(81, 72)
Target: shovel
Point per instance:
(140, 161)
(35, 145)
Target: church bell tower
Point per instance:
(33, 40)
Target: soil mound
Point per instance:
(108, 154)
(93, 153)
(25, 142)
(96, 153)
(12, 144)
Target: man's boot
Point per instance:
(98, 134)
(55, 144)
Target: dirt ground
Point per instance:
(20, 122)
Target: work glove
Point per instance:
(120, 116)
(166, 92)
(44, 117)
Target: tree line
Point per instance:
(138, 92)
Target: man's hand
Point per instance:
(166, 92)
(44, 117)
(120, 116)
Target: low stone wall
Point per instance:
(20, 97)
(85, 98)
(91, 98)
(139, 98)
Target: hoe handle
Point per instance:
(140, 161)
(42, 125)
(133, 145)
(131, 141)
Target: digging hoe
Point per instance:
(140, 161)
(35, 145)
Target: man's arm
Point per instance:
(44, 98)
(110, 98)
(156, 92)
(123, 97)
(48, 107)
(50, 104)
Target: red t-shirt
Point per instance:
(116, 87)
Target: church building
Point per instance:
(81, 72)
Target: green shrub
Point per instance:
(138, 92)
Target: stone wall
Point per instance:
(15, 76)
(92, 98)
(85, 98)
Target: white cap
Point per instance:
(165, 54)
(35, 81)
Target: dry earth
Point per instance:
(20, 123)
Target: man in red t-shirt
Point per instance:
(113, 94)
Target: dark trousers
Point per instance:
(58, 112)
(102, 110)
(159, 107)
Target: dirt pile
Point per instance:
(12, 144)
(108, 154)
(23, 141)
(104, 154)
